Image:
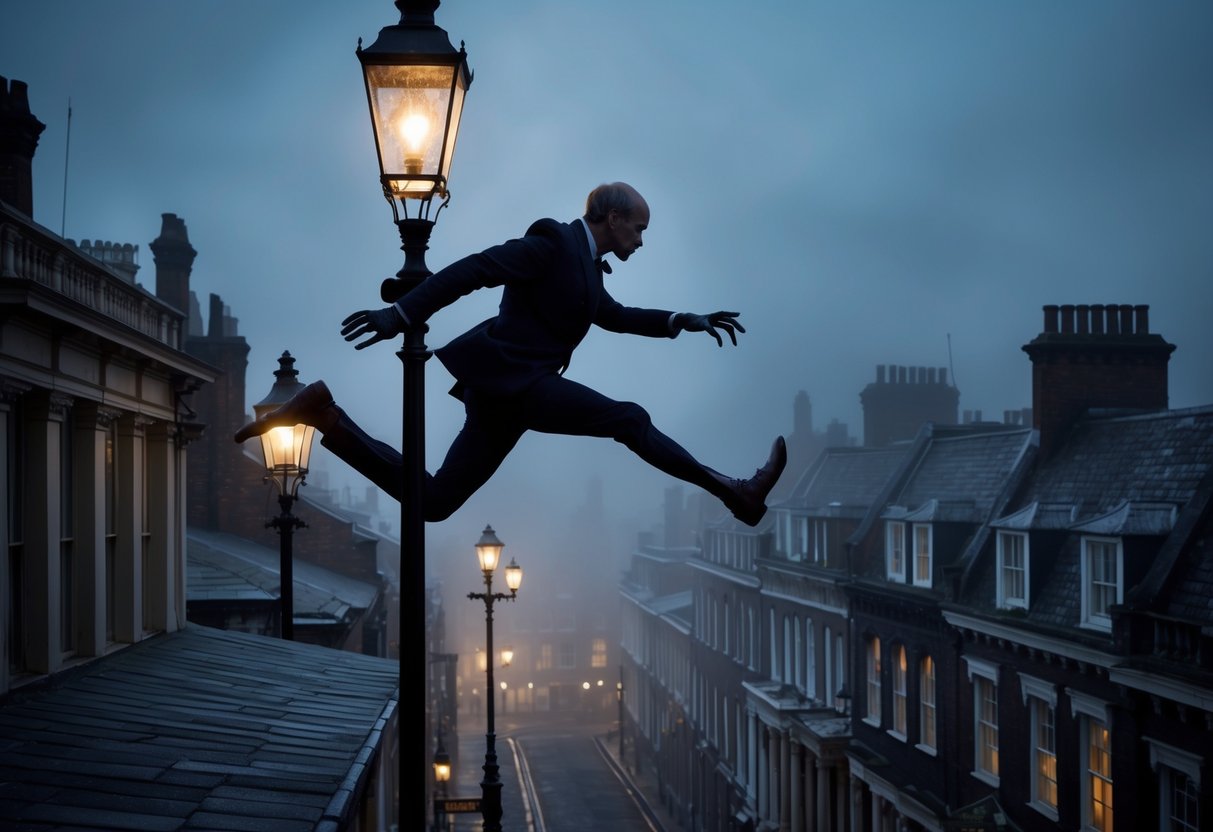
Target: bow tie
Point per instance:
(603, 266)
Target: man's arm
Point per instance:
(513, 261)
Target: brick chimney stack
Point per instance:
(19, 132)
(174, 258)
(901, 400)
(1094, 356)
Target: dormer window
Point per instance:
(895, 551)
(1012, 579)
(922, 554)
(1102, 580)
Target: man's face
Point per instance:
(627, 231)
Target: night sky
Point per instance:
(861, 181)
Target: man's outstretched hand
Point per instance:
(710, 323)
(380, 324)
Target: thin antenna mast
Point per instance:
(66, 153)
(951, 367)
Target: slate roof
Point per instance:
(846, 480)
(965, 472)
(196, 729)
(224, 567)
(1117, 476)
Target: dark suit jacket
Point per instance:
(553, 293)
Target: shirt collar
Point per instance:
(590, 238)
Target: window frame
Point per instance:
(895, 554)
(982, 674)
(1037, 692)
(900, 690)
(873, 712)
(1167, 761)
(921, 580)
(1089, 618)
(928, 703)
(1090, 711)
(1006, 601)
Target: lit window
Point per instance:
(873, 716)
(1012, 570)
(1097, 782)
(899, 692)
(598, 656)
(984, 677)
(1044, 754)
(926, 704)
(1101, 581)
(895, 551)
(922, 555)
(1040, 697)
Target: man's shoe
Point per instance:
(304, 408)
(749, 503)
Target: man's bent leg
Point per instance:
(489, 433)
(558, 405)
(377, 461)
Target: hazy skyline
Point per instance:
(860, 181)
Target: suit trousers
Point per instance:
(493, 426)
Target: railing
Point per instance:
(27, 254)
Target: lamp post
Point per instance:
(285, 452)
(619, 696)
(488, 552)
(415, 85)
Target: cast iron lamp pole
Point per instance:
(488, 551)
(415, 85)
(286, 452)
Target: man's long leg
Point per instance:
(558, 405)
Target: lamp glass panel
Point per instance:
(489, 556)
(513, 576)
(410, 106)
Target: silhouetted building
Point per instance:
(106, 691)
(902, 399)
(1016, 620)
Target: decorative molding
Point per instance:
(1082, 703)
(1038, 689)
(981, 667)
(1172, 757)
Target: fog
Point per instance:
(866, 184)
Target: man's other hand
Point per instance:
(380, 324)
(710, 323)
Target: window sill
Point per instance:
(1045, 809)
(926, 749)
(897, 735)
(986, 777)
(867, 720)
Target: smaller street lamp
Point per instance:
(507, 656)
(504, 687)
(286, 452)
(842, 701)
(488, 553)
(442, 775)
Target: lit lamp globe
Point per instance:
(415, 84)
(507, 656)
(442, 765)
(513, 576)
(488, 551)
(286, 451)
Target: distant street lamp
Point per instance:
(507, 656)
(286, 452)
(415, 85)
(504, 687)
(488, 552)
(442, 775)
(842, 701)
(619, 696)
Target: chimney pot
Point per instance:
(1097, 316)
(880, 374)
(1067, 319)
(1084, 312)
(943, 375)
(1143, 319)
(1112, 319)
(1050, 318)
(1126, 319)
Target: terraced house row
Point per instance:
(980, 626)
